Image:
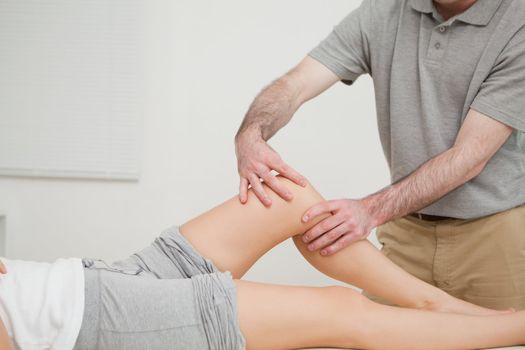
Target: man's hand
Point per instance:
(479, 138)
(270, 111)
(255, 161)
(3, 270)
(350, 221)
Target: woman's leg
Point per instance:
(234, 236)
(362, 265)
(280, 317)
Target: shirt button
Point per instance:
(437, 46)
(442, 29)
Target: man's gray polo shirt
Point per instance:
(427, 74)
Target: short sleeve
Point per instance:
(346, 49)
(502, 94)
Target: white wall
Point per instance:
(206, 60)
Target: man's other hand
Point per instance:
(255, 161)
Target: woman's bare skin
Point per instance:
(234, 236)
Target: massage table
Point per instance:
(511, 348)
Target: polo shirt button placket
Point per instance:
(438, 43)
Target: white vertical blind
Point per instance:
(71, 88)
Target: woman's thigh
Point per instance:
(294, 317)
(212, 311)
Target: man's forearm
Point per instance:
(271, 110)
(434, 179)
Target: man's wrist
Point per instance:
(375, 206)
(251, 134)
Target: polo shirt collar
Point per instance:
(425, 6)
(478, 14)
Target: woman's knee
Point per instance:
(290, 213)
(345, 295)
(302, 196)
(346, 313)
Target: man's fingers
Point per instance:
(243, 190)
(258, 188)
(278, 187)
(290, 173)
(341, 243)
(318, 209)
(327, 238)
(321, 229)
(2, 268)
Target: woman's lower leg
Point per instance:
(279, 317)
(363, 265)
(405, 329)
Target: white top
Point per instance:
(42, 304)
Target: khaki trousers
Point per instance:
(479, 260)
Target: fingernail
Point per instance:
(311, 248)
(305, 218)
(305, 239)
(289, 195)
(324, 252)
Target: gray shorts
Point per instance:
(165, 297)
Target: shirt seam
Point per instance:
(342, 72)
(493, 110)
